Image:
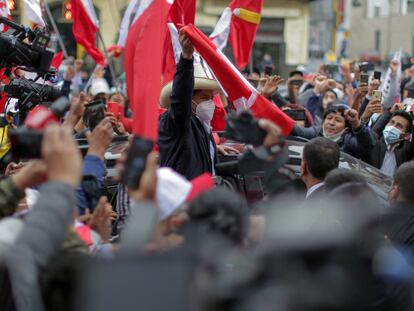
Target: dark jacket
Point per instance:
(398, 226)
(182, 139)
(356, 143)
(312, 104)
(403, 152)
(317, 195)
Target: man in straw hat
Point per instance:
(185, 139)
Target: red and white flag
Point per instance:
(143, 65)
(4, 12)
(239, 91)
(85, 27)
(33, 12)
(181, 12)
(132, 13)
(238, 24)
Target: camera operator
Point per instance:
(49, 221)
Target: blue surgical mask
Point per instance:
(391, 135)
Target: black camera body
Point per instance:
(30, 93)
(244, 128)
(35, 57)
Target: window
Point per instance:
(377, 40)
(410, 6)
(377, 10)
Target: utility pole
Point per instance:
(389, 30)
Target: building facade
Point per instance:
(283, 32)
(381, 27)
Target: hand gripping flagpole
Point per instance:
(111, 68)
(54, 26)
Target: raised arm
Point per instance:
(183, 87)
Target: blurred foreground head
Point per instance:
(402, 189)
(220, 212)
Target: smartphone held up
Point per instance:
(136, 161)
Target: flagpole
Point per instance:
(91, 78)
(111, 69)
(54, 26)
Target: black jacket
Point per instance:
(404, 152)
(182, 139)
(398, 226)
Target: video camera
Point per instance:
(26, 141)
(34, 57)
(257, 159)
(30, 93)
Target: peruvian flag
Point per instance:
(57, 60)
(239, 91)
(143, 65)
(4, 12)
(238, 24)
(85, 26)
(182, 12)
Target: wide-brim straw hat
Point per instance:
(203, 80)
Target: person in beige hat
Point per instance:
(184, 138)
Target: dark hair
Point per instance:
(224, 212)
(321, 156)
(405, 115)
(404, 179)
(332, 91)
(295, 72)
(341, 176)
(335, 108)
(256, 70)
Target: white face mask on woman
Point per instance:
(205, 110)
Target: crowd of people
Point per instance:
(322, 239)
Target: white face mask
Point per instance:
(205, 110)
(335, 137)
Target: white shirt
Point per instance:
(314, 188)
(389, 164)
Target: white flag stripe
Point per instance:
(175, 41)
(34, 12)
(90, 10)
(390, 87)
(4, 11)
(132, 13)
(221, 32)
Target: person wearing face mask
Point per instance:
(394, 147)
(185, 138)
(343, 126)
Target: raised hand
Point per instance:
(186, 45)
(352, 117)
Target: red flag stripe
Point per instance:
(143, 66)
(84, 30)
(235, 86)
